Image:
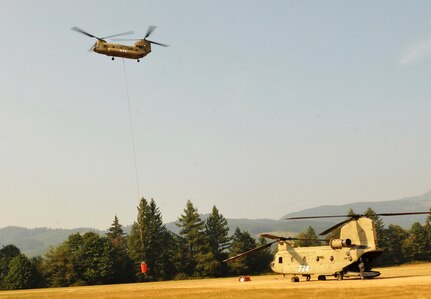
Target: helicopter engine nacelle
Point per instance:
(339, 243)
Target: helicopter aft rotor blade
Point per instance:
(119, 34)
(405, 213)
(354, 216)
(150, 30)
(156, 43)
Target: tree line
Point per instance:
(197, 251)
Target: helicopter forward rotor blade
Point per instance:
(250, 251)
(280, 238)
(150, 30)
(92, 48)
(83, 32)
(159, 44)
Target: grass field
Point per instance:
(409, 281)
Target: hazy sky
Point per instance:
(258, 107)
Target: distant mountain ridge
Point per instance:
(421, 203)
(34, 242)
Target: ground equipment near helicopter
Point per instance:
(140, 49)
(340, 258)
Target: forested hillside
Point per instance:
(150, 252)
(35, 242)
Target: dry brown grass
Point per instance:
(410, 281)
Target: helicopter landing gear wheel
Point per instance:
(340, 275)
(321, 277)
(307, 277)
(294, 279)
(138, 60)
(112, 58)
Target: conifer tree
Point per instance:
(148, 242)
(136, 238)
(123, 265)
(242, 242)
(116, 233)
(217, 231)
(350, 212)
(308, 238)
(196, 244)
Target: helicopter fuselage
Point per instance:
(339, 259)
(322, 260)
(139, 50)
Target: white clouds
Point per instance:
(416, 52)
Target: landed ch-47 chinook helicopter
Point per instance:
(140, 49)
(341, 258)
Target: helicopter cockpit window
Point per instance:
(280, 260)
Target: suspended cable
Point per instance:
(131, 129)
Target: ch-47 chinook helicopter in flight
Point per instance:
(341, 258)
(140, 49)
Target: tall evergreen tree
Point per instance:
(192, 231)
(255, 263)
(148, 242)
(217, 231)
(136, 243)
(123, 265)
(241, 242)
(116, 234)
